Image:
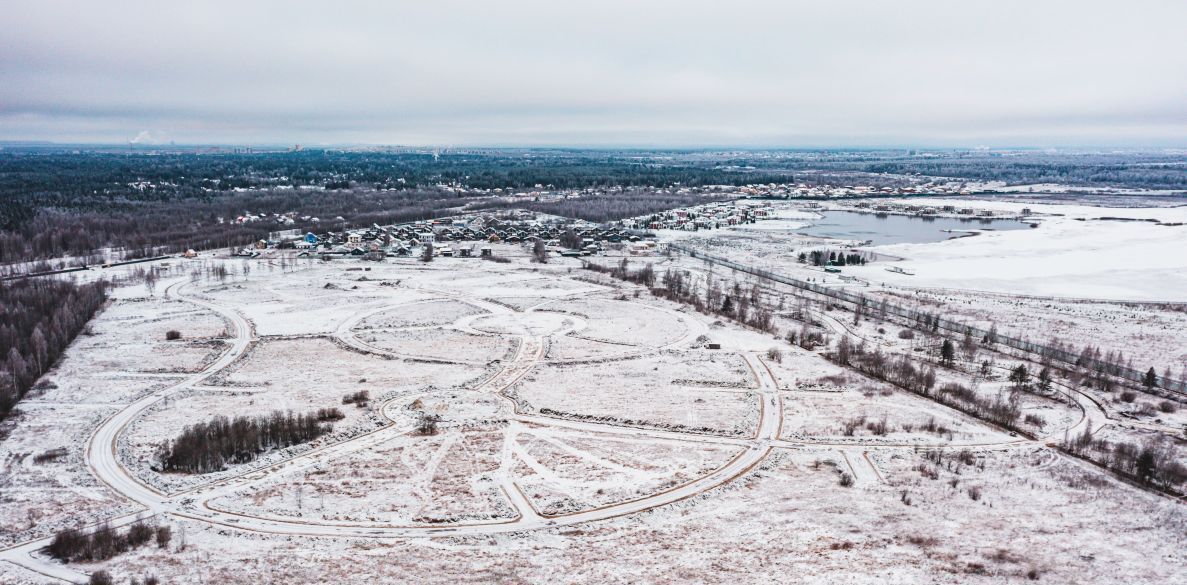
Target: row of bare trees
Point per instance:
(622, 271)
(902, 371)
(734, 302)
(1153, 463)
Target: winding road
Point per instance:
(195, 504)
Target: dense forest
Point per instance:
(61, 179)
(606, 206)
(39, 317)
(57, 202)
(33, 180)
(1133, 170)
(145, 229)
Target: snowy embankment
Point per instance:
(1084, 252)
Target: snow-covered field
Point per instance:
(584, 432)
(1075, 252)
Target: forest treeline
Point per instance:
(39, 317)
(62, 180)
(56, 202)
(1134, 170)
(58, 178)
(209, 446)
(607, 206)
(145, 229)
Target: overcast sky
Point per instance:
(605, 72)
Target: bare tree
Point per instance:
(426, 424)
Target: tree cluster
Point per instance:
(904, 373)
(73, 545)
(742, 306)
(39, 317)
(823, 257)
(359, 398)
(1153, 463)
(539, 251)
(141, 229)
(603, 207)
(209, 446)
(622, 271)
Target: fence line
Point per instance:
(937, 322)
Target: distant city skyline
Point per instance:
(666, 74)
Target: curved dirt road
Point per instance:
(194, 503)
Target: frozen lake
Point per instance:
(899, 229)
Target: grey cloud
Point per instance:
(612, 72)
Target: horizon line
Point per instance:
(577, 146)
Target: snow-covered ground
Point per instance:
(586, 434)
(1073, 253)
(1077, 251)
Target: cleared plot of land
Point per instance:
(177, 357)
(797, 369)
(568, 471)
(126, 355)
(151, 317)
(615, 329)
(129, 336)
(696, 390)
(44, 485)
(323, 297)
(250, 292)
(533, 323)
(625, 322)
(299, 375)
(516, 286)
(410, 480)
(75, 381)
(448, 477)
(858, 416)
(422, 314)
(565, 348)
(439, 344)
(789, 517)
(523, 303)
(322, 369)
